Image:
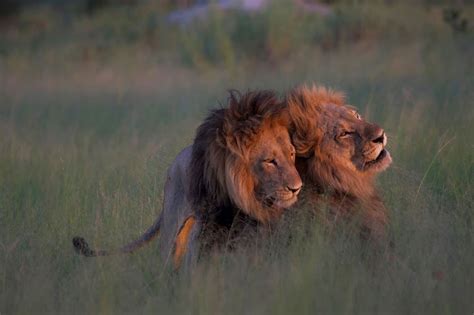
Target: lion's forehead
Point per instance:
(337, 110)
(270, 141)
(273, 146)
(278, 135)
(340, 117)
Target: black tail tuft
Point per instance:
(81, 247)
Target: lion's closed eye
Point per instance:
(270, 161)
(346, 134)
(356, 115)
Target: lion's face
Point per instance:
(338, 150)
(264, 179)
(273, 166)
(352, 143)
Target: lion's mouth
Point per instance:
(381, 162)
(281, 200)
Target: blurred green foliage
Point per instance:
(45, 33)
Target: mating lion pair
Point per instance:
(245, 166)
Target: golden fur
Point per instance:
(230, 166)
(339, 155)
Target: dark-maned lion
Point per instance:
(240, 165)
(338, 156)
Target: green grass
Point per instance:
(85, 144)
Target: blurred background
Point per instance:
(97, 97)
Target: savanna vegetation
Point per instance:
(95, 104)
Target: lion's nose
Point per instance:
(380, 137)
(295, 188)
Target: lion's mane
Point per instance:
(221, 183)
(348, 193)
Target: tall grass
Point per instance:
(85, 144)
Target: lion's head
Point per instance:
(243, 157)
(342, 151)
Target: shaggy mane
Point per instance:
(347, 190)
(308, 115)
(305, 104)
(218, 169)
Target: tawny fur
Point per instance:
(334, 177)
(220, 168)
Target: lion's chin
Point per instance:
(381, 163)
(281, 202)
(284, 203)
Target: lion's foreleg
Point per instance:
(182, 241)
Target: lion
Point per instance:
(339, 155)
(241, 167)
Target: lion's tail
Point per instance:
(81, 246)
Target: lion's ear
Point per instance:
(303, 148)
(304, 141)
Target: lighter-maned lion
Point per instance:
(339, 156)
(241, 164)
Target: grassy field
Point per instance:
(87, 133)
